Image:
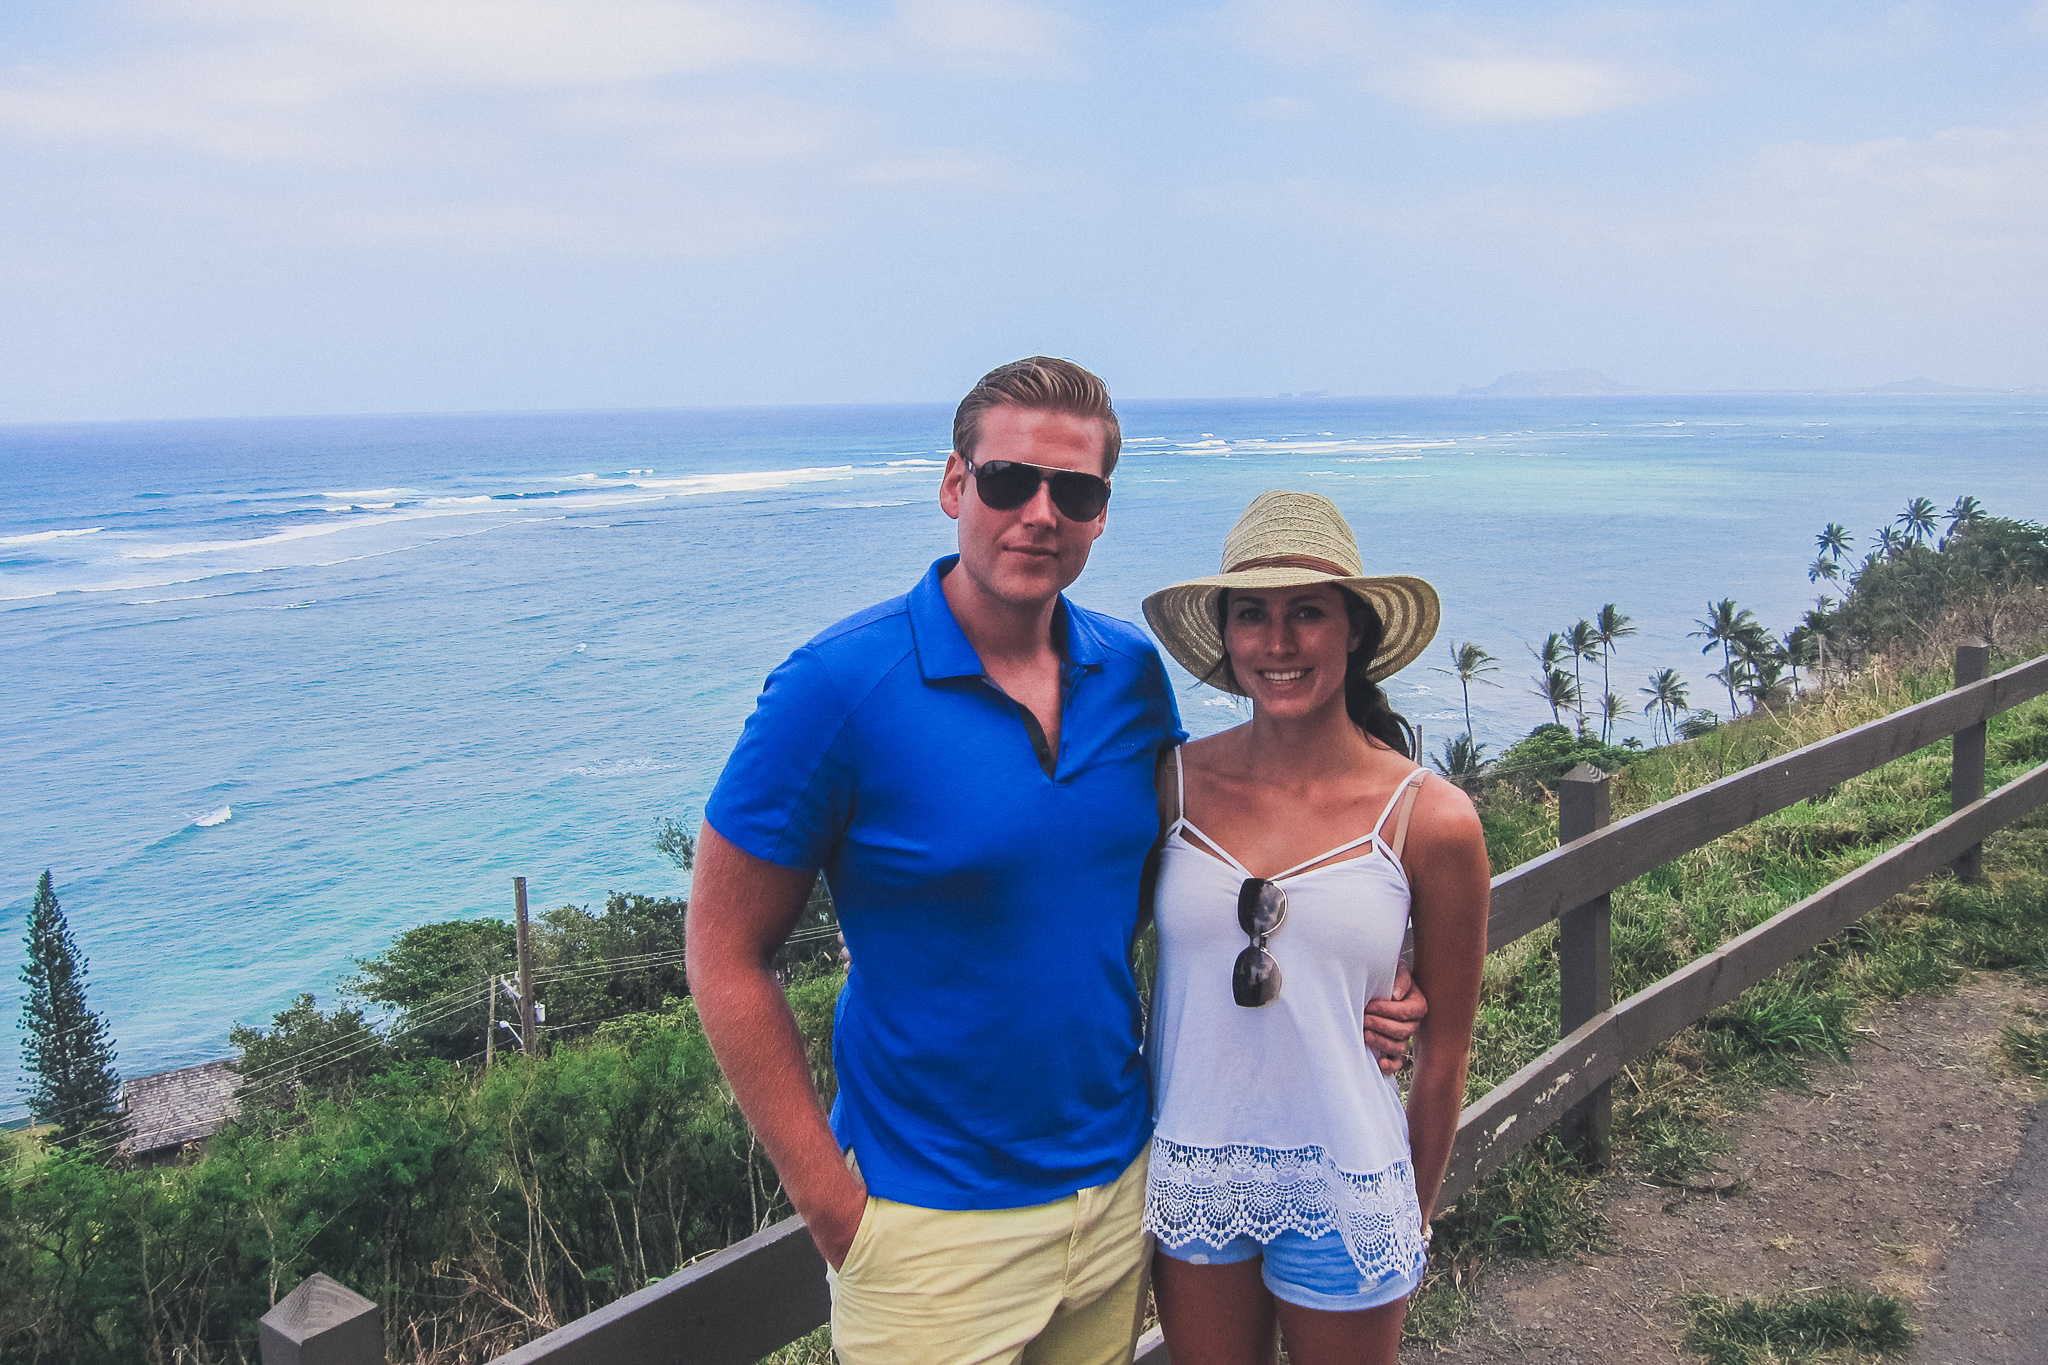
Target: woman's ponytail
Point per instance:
(1364, 702)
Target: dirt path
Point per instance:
(1872, 1178)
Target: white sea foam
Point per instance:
(361, 494)
(749, 481)
(216, 817)
(917, 464)
(200, 547)
(50, 535)
(620, 767)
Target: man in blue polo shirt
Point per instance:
(971, 766)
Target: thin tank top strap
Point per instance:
(1400, 790)
(1186, 827)
(1411, 787)
(1323, 857)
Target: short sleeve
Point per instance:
(1169, 709)
(786, 790)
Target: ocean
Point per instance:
(276, 690)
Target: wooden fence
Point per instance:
(756, 1296)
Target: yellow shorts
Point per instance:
(1052, 1284)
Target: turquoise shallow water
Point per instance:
(275, 690)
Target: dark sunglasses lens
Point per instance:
(1261, 906)
(1005, 484)
(1080, 497)
(1255, 980)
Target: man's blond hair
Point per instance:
(1045, 384)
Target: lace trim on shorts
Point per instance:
(1213, 1194)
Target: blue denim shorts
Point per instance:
(1310, 1272)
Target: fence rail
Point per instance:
(756, 1296)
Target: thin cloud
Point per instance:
(923, 168)
(534, 43)
(746, 130)
(513, 228)
(1461, 68)
(1275, 109)
(349, 80)
(993, 37)
(1961, 197)
(1510, 89)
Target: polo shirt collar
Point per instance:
(943, 650)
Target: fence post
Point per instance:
(525, 945)
(1966, 761)
(1584, 961)
(321, 1323)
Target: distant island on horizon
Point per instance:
(1550, 384)
(1584, 383)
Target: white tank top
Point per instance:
(1277, 1117)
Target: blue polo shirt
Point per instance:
(987, 1039)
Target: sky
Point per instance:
(244, 207)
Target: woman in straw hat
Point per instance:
(1287, 1185)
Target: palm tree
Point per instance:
(1610, 625)
(1558, 691)
(1550, 653)
(1766, 671)
(1819, 624)
(1460, 758)
(1723, 625)
(1610, 711)
(1835, 541)
(1667, 697)
(1917, 519)
(1966, 513)
(1823, 568)
(1468, 665)
(1584, 643)
(1802, 648)
(1889, 544)
(1737, 676)
(1758, 653)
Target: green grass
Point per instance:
(1668, 1106)
(1838, 1323)
(2027, 1049)
(814, 1349)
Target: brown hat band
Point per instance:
(1293, 562)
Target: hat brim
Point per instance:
(1184, 617)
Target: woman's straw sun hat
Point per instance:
(1287, 540)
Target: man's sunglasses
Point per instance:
(1261, 910)
(1007, 485)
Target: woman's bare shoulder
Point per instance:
(1444, 817)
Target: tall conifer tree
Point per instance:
(67, 1052)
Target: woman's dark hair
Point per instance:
(1364, 702)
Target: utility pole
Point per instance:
(527, 1036)
(491, 1022)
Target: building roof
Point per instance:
(173, 1108)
